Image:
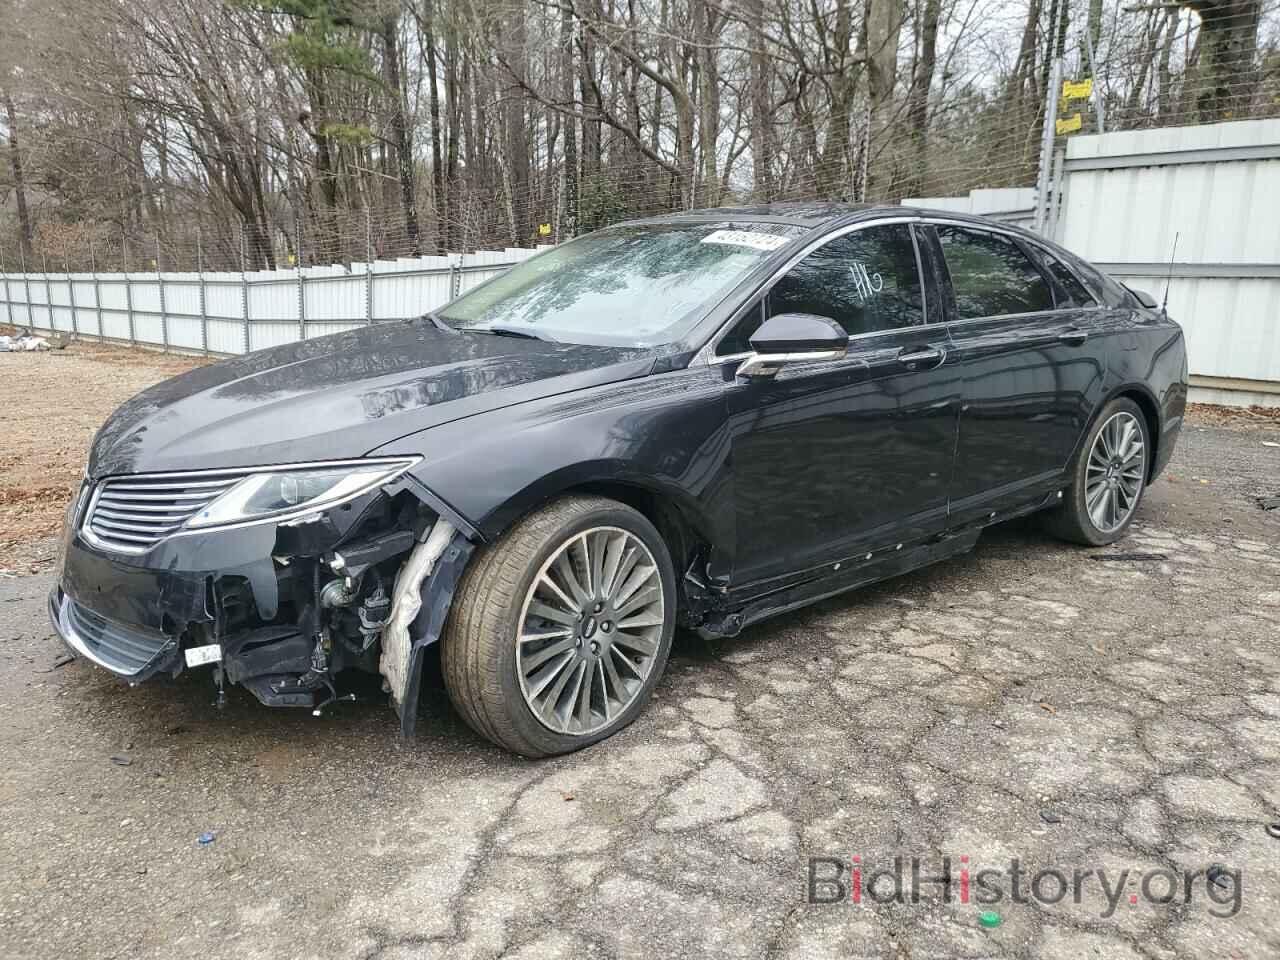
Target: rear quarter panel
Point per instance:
(1146, 355)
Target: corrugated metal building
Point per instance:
(1216, 188)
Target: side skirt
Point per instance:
(819, 588)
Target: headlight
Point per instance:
(297, 490)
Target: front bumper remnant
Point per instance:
(125, 651)
(282, 609)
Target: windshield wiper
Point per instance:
(500, 331)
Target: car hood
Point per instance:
(342, 396)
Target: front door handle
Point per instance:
(921, 356)
(1074, 336)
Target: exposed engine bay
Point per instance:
(336, 607)
(358, 587)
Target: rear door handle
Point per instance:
(1074, 336)
(922, 356)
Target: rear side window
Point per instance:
(866, 281)
(1077, 295)
(990, 275)
(1112, 294)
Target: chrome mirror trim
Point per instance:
(768, 364)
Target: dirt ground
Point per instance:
(1027, 703)
(51, 404)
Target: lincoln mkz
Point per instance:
(699, 420)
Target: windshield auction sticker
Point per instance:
(747, 238)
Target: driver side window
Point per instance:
(866, 281)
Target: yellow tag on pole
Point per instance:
(1077, 89)
(544, 229)
(1070, 124)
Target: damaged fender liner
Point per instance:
(423, 595)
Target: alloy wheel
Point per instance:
(1115, 472)
(590, 630)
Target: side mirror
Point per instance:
(793, 338)
(1144, 298)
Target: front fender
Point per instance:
(667, 433)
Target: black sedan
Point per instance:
(699, 420)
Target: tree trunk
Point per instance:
(19, 184)
(918, 98)
(516, 133)
(590, 109)
(453, 133)
(1228, 44)
(835, 169)
(761, 119)
(1165, 101)
(569, 223)
(438, 185)
(708, 99)
(401, 135)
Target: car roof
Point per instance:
(816, 214)
(805, 213)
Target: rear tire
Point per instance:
(545, 651)
(1108, 478)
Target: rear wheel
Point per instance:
(1108, 478)
(561, 629)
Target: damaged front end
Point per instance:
(279, 578)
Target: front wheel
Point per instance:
(561, 630)
(1108, 478)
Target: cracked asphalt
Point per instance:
(1024, 702)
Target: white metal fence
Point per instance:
(1016, 205)
(240, 312)
(1216, 188)
(1120, 200)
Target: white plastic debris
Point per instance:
(23, 342)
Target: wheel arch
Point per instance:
(1146, 401)
(1141, 395)
(679, 517)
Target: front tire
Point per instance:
(562, 628)
(1107, 479)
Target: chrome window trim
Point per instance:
(706, 356)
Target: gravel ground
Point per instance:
(52, 405)
(1024, 702)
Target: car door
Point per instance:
(834, 460)
(1029, 371)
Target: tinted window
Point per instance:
(990, 275)
(866, 281)
(1111, 293)
(1076, 294)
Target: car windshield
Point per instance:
(633, 285)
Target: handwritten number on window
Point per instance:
(865, 284)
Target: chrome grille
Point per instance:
(123, 650)
(133, 514)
